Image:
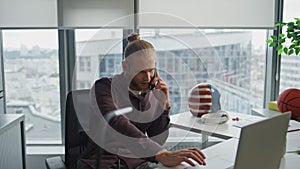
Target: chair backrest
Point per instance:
(77, 107)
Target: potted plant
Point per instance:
(288, 41)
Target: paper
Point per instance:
(293, 141)
(243, 122)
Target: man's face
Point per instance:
(139, 68)
(141, 80)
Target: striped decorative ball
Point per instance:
(204, 98)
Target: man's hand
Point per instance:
(163, 93)
(174, 158)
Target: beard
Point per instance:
(137, 86)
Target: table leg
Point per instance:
(204, 140)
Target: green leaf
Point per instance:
(292, 46)
(291, 24)
(290, 29)
(279, 51)
(291, 51)
(269, 41)
(297, 19)
(280, 24)
(274, 37)
(272, 44)
(297, 51)
(285, 50)
(281, 41)
(281, 35)
(279, 47)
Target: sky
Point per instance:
(13, 39)
(44, 38)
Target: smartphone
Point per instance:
(153, 85)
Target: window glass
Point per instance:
(32, 82)
(290, 73)
(232, 60)
(98, 54)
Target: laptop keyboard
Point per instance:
(172, 146)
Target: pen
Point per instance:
(293, 130)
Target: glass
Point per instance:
(232, 60)
(98, 54)
(289, 69)
(32, 82)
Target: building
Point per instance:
(183, 60)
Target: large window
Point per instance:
(290, 73)
(32, 82)
(232, 60)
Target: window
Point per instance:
(290, 73)
(32, 82)
(232, 60)
(84, 64)
(104, 50)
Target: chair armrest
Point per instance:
(55, 163)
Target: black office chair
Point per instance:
(78, 102)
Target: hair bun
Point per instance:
(132, 37)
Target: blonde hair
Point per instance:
(136, 44)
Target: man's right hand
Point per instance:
(174, 158)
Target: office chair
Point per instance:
(78, 101)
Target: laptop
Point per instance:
(261, 146)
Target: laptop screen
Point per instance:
(262, 144)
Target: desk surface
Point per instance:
(227, 149)
(12, 142)
(222, 155)
(227, 130)
(9, 120)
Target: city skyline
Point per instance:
(14, 39)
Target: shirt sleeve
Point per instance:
(139, 142)
(159, 129)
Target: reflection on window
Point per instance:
(233, 60)
(84, 64)
(104, 50)
(32, 82)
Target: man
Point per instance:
(135, 139)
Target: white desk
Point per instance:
(227, 149)
(264, 112)
(12, 141)
(226, 152)
(227, 130)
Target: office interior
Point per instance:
(50, 47)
